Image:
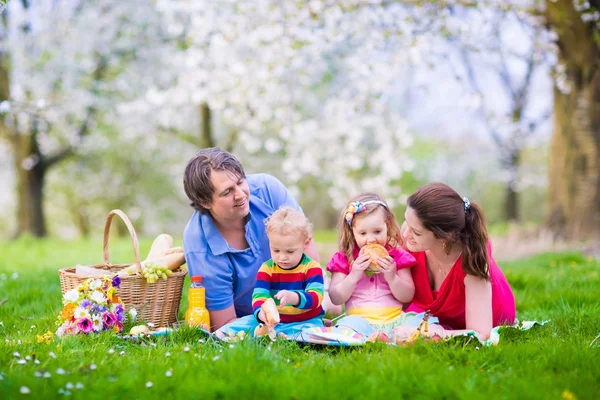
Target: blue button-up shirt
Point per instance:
(229, 275)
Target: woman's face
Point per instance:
(415, 236)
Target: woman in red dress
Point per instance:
(456, 277)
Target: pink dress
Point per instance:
(372, 298)
(448, 303)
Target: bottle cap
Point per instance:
(196, 279)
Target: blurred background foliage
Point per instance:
(103, 103)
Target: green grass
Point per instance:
(546, 362)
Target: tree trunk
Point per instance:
(206, 132)
(511, 196)
(31, 174)
(574, 189)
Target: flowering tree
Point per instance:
(63, 66)
(311, 87)
(508, 84)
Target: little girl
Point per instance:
(373, 303)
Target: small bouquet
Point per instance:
(92, 306)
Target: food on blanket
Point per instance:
(374, 251)
(136, 330)
(271, 312)
(265, 330)
(161, 244)
(378, 336)
(172, 258)
(152, 272)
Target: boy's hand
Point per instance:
(359, 266)
(287, 297)
(262, 317)
(388, 268)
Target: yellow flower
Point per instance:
(47, 337)
(68, 312)
(110, 292)
(567, 395)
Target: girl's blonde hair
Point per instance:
(347, 241)
(287, 221)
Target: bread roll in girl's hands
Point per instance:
(374, 251)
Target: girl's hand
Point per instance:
(287, 297)
(388, 268)
(359, 266)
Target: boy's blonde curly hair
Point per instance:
(287, 221)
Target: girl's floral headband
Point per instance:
(356, 207)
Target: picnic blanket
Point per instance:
(343, 336)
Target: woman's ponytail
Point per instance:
(474, 238)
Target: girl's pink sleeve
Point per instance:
(402, 258)
(338, 263)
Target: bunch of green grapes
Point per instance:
(153, 272)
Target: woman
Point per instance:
(456, 277)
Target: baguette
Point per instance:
(161, 244)
(171, 258)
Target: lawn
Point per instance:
(558, 360)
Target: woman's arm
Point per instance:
(478, 313)
(478, 309)
(478, 305)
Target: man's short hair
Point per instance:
(196, 179)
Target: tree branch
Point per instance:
(481, 109)
(84, 128)
(185, 136)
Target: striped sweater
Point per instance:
(306, 279)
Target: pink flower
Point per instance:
(85, 325)
(109, 319)
(70, 328)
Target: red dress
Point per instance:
(448, 303)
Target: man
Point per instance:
(225, 241)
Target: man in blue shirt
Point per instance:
(225, 241)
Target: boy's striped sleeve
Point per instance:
(312, 295)
(262, 290)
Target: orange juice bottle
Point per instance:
(197, 315)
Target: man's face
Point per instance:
(231, 198)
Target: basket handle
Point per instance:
(134, 239)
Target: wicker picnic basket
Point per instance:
(157, 302)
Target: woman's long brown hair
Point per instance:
(443, 212)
